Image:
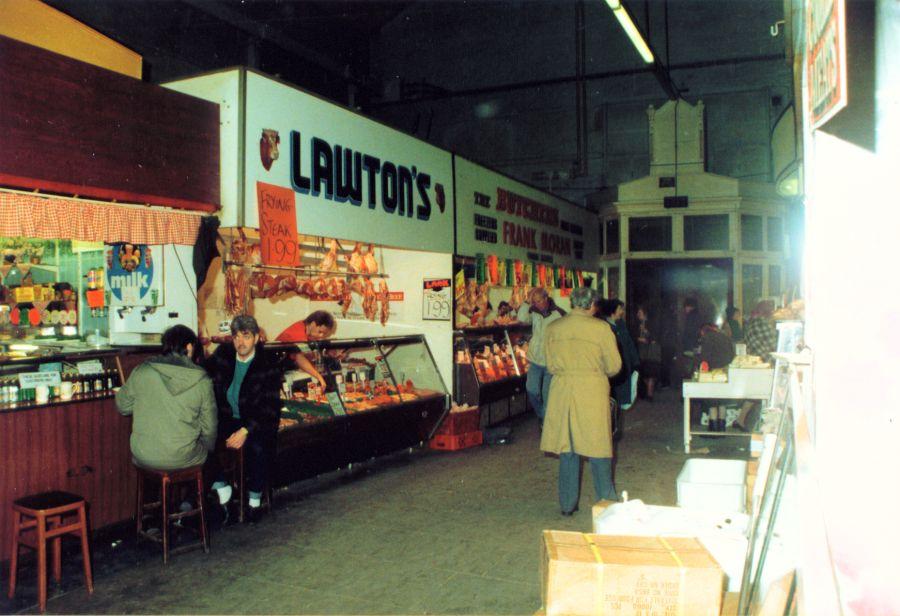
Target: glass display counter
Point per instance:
(381, 395)
(490, 366)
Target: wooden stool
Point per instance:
(236, 469)
(44, 514)
(167, 479)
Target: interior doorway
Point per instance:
(662, 285)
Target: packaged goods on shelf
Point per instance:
(586, 574)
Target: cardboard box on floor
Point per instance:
(585, 574)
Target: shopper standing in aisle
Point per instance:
(247, 384)
(581, 355)
(538, 310)
(761, 337)
(171, 400)
(649, 351)
(624, 384)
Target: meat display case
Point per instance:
(489, 367)
(382, 395)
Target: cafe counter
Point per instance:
(79, 444)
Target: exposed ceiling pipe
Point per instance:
(531, 85)
(581, 161)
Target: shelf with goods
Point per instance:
(45, 376)
(381, 395)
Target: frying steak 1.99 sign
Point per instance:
(277, 225)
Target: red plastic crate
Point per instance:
(460, 423)
(455, 442)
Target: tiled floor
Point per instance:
(421, 533)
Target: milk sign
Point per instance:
(129, 275)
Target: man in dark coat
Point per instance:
(247, 384)
(613, 311)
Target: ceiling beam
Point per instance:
(275, 36)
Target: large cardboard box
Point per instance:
(585, 574)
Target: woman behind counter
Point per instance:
(649, 351)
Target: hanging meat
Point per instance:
(345, 298)
(239, 252)
(385, 302)
(370, 300)
(370, 263)
(329, 261)
(237, 290)
(355, 263)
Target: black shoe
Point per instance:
(567, 513)
(217, 516)
(254, 515)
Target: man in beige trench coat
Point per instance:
(581, 355)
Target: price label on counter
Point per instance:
(30, 380)
(437, 303)
(92, 366)
(334, 400)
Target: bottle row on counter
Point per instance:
(71, 384)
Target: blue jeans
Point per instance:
(570, 480)
(537, 387)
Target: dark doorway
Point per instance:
(662, 285)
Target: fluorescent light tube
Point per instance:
(631, 30)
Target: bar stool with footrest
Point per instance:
(235, 467)
(169, 513)
(43, 513)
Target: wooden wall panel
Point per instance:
(72, 127)
(81, 448)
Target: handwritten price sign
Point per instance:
(437, 303)
(277, 225)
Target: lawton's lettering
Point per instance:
(346, 176)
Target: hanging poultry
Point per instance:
(370, 263)
(385, 301)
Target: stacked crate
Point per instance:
(459, 430)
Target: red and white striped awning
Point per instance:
(51, 217)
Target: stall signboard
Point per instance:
(826, 60)
(277, 225)
(437, 299)
(352, 178)
(500, 216)
(131, 275)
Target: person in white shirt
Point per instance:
(539, 310)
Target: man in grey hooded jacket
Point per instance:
(173, 404)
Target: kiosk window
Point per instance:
(751, 232)
(612, 236)
(773, 236)
(706, 232)
(650, 234)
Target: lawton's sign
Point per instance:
(343, 175)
